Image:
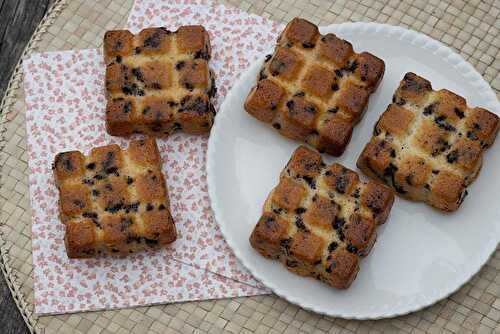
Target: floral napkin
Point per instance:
(65, 111)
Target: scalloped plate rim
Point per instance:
(487, 94)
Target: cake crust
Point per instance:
(158, 81)
(113, 201)
(319, 220)
(428, 144)
(314, 88)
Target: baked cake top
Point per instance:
(314, 87)
(115, 195)
(322, 216)
(429, 143)
(157, 77)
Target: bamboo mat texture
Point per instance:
(472, 28)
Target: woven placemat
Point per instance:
(470, 27)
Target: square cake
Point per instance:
(314, 88)
(158, 81)
(319, 220)
(113, 201)
(428, 145)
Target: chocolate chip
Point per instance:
(138, 74)
(149, 207)
(114, 208)
(267, 58)
(118, 59)
(452, 156)
(161, 207)
(92, 215)
(88, 181)
(352, 66)
(91, 166)
(130, 180)
(127, 107)
(352, 249)
(471, 135)
(340, 184)
(180, 65)
(277, 126)
(459, 112)
(308, 45)
(300, 210)
(112, 170)
(201, 54)
(132, 89)
(332, 246)
(333, 110)
(95, 192)
(310, 109)
(338, 223)
(401, 102)
(153, 40)
(339, 73)
(441, 122)
(335, 87)
(262, 75)
(300, 223)
(131, 207)
(429, 109)
(310, 181)
(278, 210)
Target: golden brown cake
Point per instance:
(314, 88)
(158, 81)
(428, 145)
(319, 220)
(113, 201)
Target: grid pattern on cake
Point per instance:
(319, 220)
(158, 81)
(314, 88)
(113, 200)
(428, 144)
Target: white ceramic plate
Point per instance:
(421, 255)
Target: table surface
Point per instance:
(18, 20)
